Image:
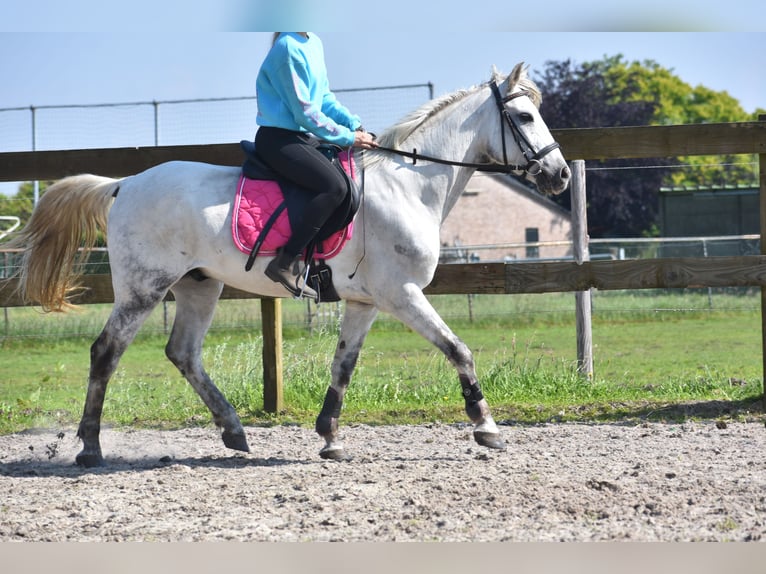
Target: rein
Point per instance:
(533, 165)
(487, 167)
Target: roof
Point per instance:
(739, 188)
(523, 188)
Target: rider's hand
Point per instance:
(364, 140)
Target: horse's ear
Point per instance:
(515, 76)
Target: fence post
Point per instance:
(271, 319)
(4, 274)
(762, 223)
(581, 254)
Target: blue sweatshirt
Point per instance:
(294, 93)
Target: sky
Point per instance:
(103, 52)
(39, 69)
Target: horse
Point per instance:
(168, 229)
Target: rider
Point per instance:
(294, 104)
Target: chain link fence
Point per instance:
(177, 122)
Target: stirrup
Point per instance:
(305, 291)
(292, 283)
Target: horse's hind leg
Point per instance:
(415, 311)
(195, 305)
(105, 353)
(357, 320)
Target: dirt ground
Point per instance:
(558, 482)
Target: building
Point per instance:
(707, 213)
(497, 216)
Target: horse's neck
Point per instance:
(446, 137)
(459, 183)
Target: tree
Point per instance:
(620, 202)
(679, 103)
(613, 92)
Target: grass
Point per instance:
(649, 364)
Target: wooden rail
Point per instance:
(516, 278)
(587, 143)
(662, 141)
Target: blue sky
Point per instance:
(84, 52)
(83, 68)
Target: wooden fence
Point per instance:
(499, 278)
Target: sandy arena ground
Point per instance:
(559, 482)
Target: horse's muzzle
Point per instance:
(555, 183)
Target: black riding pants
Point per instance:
(294, 155)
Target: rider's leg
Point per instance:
(294, 156)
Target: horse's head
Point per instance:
(524, 139)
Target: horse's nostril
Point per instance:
(565, 173)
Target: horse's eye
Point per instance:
(526, 117)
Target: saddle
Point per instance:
(331, 237)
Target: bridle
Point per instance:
(533, 165)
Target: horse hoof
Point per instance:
(489, 439)
(88, 460)
(335, 453)
(235, 441)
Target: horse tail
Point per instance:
(68, 217)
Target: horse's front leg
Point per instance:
(357, 321)
(416, 311)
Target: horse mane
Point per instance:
(397, 134)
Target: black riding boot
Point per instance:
(287, 270)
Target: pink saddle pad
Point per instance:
(254, 203)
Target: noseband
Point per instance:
(533, 165)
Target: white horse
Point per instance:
(169, 230)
